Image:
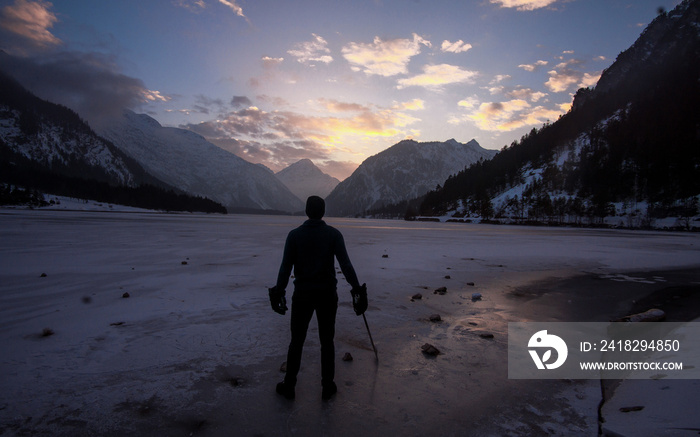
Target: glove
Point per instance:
(359, 299)
(277, 300)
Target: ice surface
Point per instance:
(195, 348)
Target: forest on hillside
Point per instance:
(634, 141)
(24, 178)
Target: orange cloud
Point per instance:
(589, 79)
(563, 77)
(346, 132)
(505, 116)
(510, 115)
(469, 102)
(413, 105)
(336, 106)
(31, 20)
(328, 130)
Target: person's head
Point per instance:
(315, 207)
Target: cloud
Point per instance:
(564, 76)
(279, 138)
(496, 90)
(437, 76)
(524, 5)
(560, 81)
(338, 169)
(30, 21)
(275, 155)
(191, 5)
(383, 58)
(234, 7)
(526, 94)
(315, 50)
(155, 96)
(336, 106)
(88, 83)
(590, 79)
(469, 102)
(269, 62)
(533, 67)
(510, 115)
(500, 78)
(412, 105)
(455, 47)
(240, 101)
(260, 124)
(277, 102)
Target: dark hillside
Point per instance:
(635, 137)
(47, 147)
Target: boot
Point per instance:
(285, 390)
(329, 390)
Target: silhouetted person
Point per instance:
(310, 249)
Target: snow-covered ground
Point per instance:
(196, 350)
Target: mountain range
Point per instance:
(403, 171)
(135, 150)
(188, 161)
(629, 146)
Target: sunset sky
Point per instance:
(333, 81)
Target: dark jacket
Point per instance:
(311, 249)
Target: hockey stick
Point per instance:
(370, 337)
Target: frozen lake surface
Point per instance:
(196, 350)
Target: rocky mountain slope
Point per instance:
(47, 148)
(406, 170)
(304, 179)
(187, 161)
(55, 138)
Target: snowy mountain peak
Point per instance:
(303, 164)
(187, 161)
(404, 171)
(143, 119)
(304, 179)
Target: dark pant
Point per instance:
(303, 306)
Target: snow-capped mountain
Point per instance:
(53, 139)
(187, 161)
(49, 148)
(404, 171)
(304, 179)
